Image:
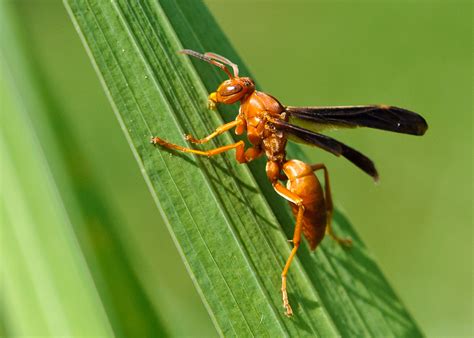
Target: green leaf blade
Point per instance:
(61, 238)
(225, 230)
(190, 187)
(47, 287)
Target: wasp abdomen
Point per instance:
(303, 182)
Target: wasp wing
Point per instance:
(335, 147)
(389, 118)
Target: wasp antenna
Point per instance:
(207, 59)
(218, 57)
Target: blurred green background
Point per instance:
(417, 220)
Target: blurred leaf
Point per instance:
(44, 292)
(67, 271)
(226, 231)
(47, 288)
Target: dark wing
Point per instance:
(377, 116)
(329, 144)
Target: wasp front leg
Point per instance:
(220, 130)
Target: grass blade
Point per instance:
(226, 231)
(64, 255)
(47, 288)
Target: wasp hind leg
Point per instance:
(295, 199)
(220, 130)
(330, 207)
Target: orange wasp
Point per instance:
(269, 124)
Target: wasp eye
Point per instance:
(229, 90)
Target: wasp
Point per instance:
(269, 125)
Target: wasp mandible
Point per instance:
(269, 125)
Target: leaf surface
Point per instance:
(228, 234)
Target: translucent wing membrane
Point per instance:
(377, 116)
(335, 147)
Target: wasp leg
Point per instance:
(248, 155)
(238, 145)
(329, 206)
(217, 132)
(295, 199)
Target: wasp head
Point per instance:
(232, 90)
